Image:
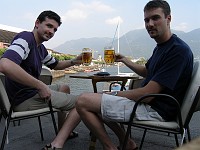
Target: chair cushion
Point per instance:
(158, 125)
(31, 112)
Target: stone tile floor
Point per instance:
(27, 136)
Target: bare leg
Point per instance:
(67, 121)
(121, 135)
(62, 115)
(88, 108)
(70, 123)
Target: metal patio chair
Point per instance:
(196, 110)
(0, 114)
(132, 84)
(180, 126)
(10, 115)
(46, 76)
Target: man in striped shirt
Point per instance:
(22, 63)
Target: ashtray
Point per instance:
(102, 74)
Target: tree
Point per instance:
(141, 61)
(63, 57)
(2, 50)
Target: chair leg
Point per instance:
(122, 126)
(15, 124)
(176, 138)
(188, 132)
(19, 121)
(54, 122)
(143, 137)
(183, 140)
(126, 137)
(40, 125)
(53, 118)
(7, 122)
(0, 116)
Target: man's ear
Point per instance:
(169, 18)
(37, 22)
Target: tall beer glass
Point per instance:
(109, 55)
(86, 56)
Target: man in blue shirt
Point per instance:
(167, 71)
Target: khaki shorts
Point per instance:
(118, 109)
(60, 100)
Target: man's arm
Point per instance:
(64, 64)
(67, 63)
(17, 74)
(139, 69)
(151, 88)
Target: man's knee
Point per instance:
(82, 101)
(64, 88)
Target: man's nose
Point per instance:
(51, 30)
(151, 22)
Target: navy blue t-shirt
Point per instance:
(171, 66)
(25, 52)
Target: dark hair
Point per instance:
(51, 15)
(158, 4)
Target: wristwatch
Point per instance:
(114, 93)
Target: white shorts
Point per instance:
(118, 109)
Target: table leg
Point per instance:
(94, 83)
(123, 84)
(122, 88)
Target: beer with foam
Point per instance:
(109, 55)
(86, 56)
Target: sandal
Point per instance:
(50, 147)
(72, 135)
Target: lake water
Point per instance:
(78, 86)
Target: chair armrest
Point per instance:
(156, 95)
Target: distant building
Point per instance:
(99, 58)
(6, 38)
(53, 52)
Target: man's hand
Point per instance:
(77, 60)
(119, 57)
(44, 92)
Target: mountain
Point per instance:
(75, 46)
(135, 43)
(193, 40)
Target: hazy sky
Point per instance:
(94, 18)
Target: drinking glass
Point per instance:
(109, 55)
(86, 56)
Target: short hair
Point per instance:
(51, 15)
(158, 4)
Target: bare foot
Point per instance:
(131, 145)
